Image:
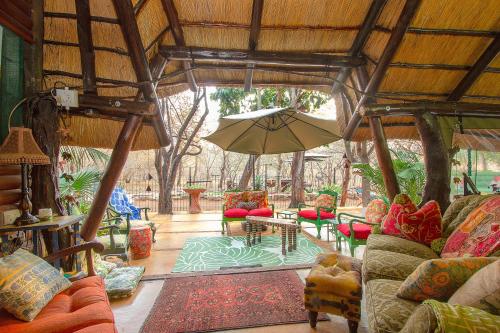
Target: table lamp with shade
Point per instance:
(20, 148)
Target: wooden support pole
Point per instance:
(87, 55)
(392, 46)
(361, 38)
(116, 106)
(111, 175)
(384, 157)
(436, 161)
(254, 39)
(130, 30)
(488, 55)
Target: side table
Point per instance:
(52, 226)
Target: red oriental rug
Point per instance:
(229, 301)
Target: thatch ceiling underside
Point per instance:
(443, 42)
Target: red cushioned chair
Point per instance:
(83, 307)
(322, 214)
(240, 214)
(352, 228)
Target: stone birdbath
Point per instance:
(194, 199)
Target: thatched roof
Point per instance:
(441, 44)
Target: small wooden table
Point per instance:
(288, 230)
(52, 226)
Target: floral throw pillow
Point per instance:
(401, 204)
(232, 199)
(259, 197)
(439, 278)
(375, 211)
(324, 200)
(423, 226)
(479, 234)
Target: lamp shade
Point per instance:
(20, 147)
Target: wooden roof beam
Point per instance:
(392, 46)
(254, 39)
(128, 24)
(481, 64)
(117, 106)
(87, 54)
(438, 108)
(364, 32)
(261, 57)
(178, 34)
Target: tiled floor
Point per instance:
(173, 231)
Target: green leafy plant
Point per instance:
(409, 170)
(194, 187)
(79, 157)
(79, 188)
(332, 187)
(259, 183)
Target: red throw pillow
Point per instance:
(423, 226)
(401, 204)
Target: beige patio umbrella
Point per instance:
(273, 131)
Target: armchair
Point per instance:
(323, 213)
(352, 228)
(128, 220)
(114, 241)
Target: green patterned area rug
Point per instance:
(214, 253)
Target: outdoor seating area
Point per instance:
(250, 166)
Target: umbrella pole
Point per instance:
(253, 171)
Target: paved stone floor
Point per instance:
(173, 230)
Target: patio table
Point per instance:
(288, 231)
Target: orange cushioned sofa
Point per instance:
(82, 308)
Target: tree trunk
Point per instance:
(246, 176)
(346, 177)
(298, 165)
(365, 182)
(222, 180)
(45, 178)
(278, 173)
(436, 161)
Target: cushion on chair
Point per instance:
(236, 213)
(324, 200)
(479, 234)
(482, 290)
(84, 307)
(27, 284)
(378, 264)
(439, 278)
(422, 226)
(262, 212)
(248, 205)
(361, 231)
(401, 204)
(375, 211)
(232, 199)
(259, 197)
(386, 312)
(312, 215)
(399, 245)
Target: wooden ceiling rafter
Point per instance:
(47, 72)
(118, 51)
(130, 30)
(255, 27)
(93, 18)
(139, 6)
(366, 28)
(260, 57)
(449, 108)
(178, 34)
(404, 20)
(87, 55)
(476, 70)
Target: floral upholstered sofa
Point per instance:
(400, 297)
(238, 205)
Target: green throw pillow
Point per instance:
(27, 284)
(122, 281)
(439, 278)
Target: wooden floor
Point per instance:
(173, 230)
